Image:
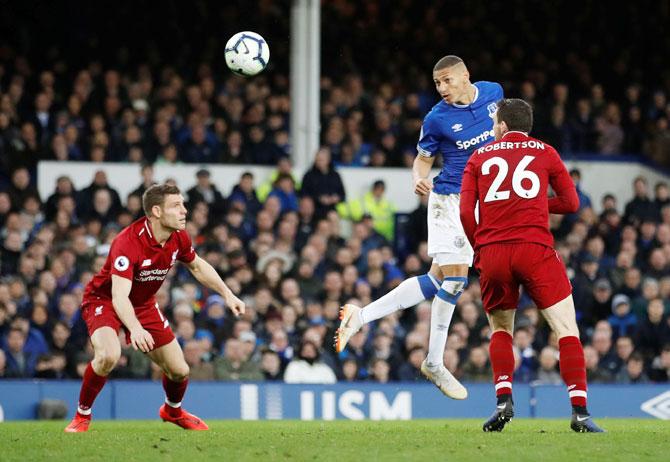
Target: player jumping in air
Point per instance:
(510, 178)
(455, 126)
(122, 294)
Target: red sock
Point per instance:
(174, 393)
(573, 369)
(502, 362)
(90, 388)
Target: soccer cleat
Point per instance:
(185, 420)
(444, 380)
(349, 325)
(79, 424)
(503, 414)
(583, 423)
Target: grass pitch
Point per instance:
(453, 440)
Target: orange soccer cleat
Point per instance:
(184, 420)
(79, 424)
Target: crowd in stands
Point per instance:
(295, 259)
(149, 103)
(296, 249)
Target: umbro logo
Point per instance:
(658, 406)
(98, 310)
(457, 127)
(146, 262)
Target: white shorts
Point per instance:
(447, 243)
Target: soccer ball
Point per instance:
(247, 53)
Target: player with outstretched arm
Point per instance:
(458, 124)
(509, 178)
(122, 295)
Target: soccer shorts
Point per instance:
(447, 243)
(504, 267)
(100, 313)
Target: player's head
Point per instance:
(513, 114)
(452, 79)
(165, 204)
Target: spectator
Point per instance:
(633, 372)
(323, 184)
(374, 204)
(594, 373)
(623, 322)
(477, 368)
(205, 191)
(193, 355)
(307, 367)
(235, 365)
(547, 373)
(641, 206)
(20, 363)
(271, 366)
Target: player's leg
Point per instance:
(562, 320)
(410, 292)
(501, 355)
(500, 297)
(168, 356)
(550, 289)
(443, 225)
(106, 353)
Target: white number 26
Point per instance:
(520, 174)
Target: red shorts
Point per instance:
(100, 313)
(503, 267)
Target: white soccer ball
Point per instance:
(247, 53)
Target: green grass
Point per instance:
(429, 440)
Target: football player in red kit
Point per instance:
(122, 295)
(510, 178)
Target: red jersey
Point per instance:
(510, 179)
(136, 255)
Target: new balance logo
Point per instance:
(457, 127)
(571, 387)
(503, 377)
(98, 310)
(658, 406)
(146, 262)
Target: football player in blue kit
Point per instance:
(460, 123)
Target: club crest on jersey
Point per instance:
(121, 263)
(459, 241)
(457, 127)
(492, 108)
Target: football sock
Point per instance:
(441, 312)
(573, 369)
(502, 362)
(408, 293)
(174, 393)
(91, 385)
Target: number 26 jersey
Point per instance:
(510, 178)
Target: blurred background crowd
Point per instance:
(295, 248)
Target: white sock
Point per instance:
(171, 404)
(408, 293)
(441, 312)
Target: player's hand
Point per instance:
(423, 186)
(235, 304)
(141, 340)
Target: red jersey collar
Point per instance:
(514, 133)
(147, 231)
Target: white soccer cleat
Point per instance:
(349, 325)
(444, 380)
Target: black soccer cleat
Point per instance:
(503, 414)
(583, 423)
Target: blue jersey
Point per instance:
(455, 131)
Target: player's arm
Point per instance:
(207, 276)
(566, 199)
(139, 338)
(420, 174)
(468, 201)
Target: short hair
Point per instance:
(155, 195)
(447, 61)
(516, 113)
